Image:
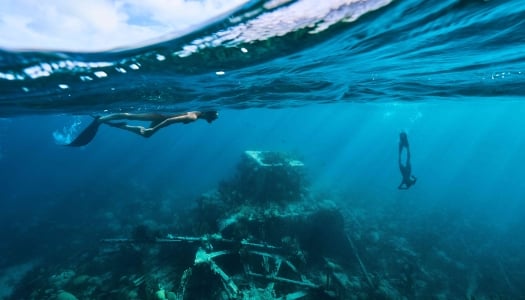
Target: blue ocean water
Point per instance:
(450, 74)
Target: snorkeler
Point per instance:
(406, 169)
(158, 121)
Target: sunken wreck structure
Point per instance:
(260, 235)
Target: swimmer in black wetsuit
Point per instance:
(406, 169)
(158, 121)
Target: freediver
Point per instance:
(157, 120)
(406, 169)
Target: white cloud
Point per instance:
(96, 25)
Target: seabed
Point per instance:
(260, 235)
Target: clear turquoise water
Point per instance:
(450, 74)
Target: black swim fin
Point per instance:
(87, 135)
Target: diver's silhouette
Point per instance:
(406, 169)
(157, 121)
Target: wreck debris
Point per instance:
(271, 237)
(265, 177)
(261, 235)
(360, 261)
(202, 257)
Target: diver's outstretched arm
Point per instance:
(156, 125)
(140, 130)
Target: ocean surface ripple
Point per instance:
(288, 53)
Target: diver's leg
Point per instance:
(153, 117)
(155, 125)
(116, 116)
(403, 139)
(399, 161)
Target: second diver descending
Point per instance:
(406, 168)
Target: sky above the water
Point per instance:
(98, 25)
